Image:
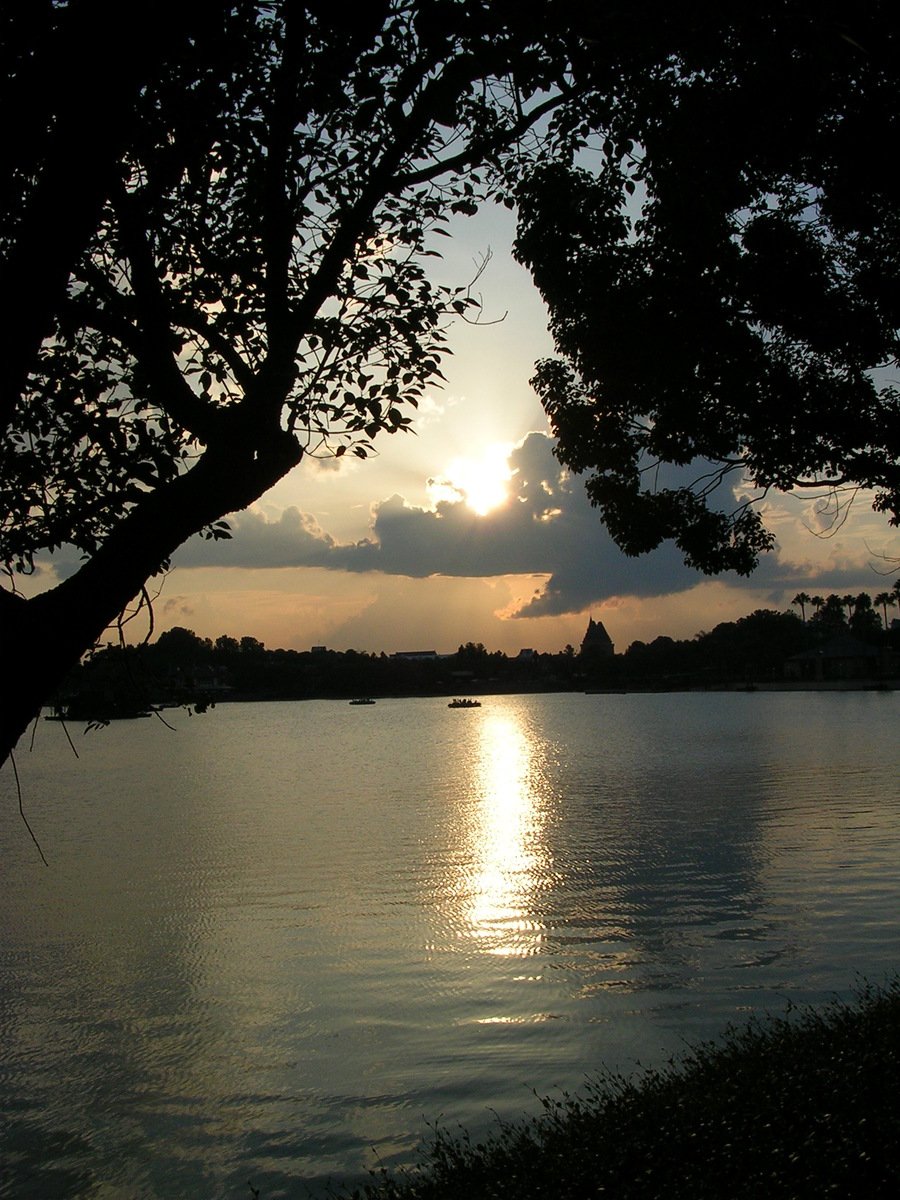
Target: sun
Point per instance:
(481, 482)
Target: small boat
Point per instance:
(464, 704)
(363, 700)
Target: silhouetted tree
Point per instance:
(213, 238)
(723, 279)
(181, 647)
(75, 77)
(864, 621)
(802, 599)
(473, 657)
(213, 227)
(884, 599)
(830, 621)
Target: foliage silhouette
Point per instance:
(237, 277)
(722, 285)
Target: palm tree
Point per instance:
(849, 603)
(830, 618)
(885, 599)
(864, 622)
(817, 602)
(802, 600)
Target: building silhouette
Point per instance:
(596, 642)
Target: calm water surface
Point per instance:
(277, 943)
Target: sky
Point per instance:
(468, 529)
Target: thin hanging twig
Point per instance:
(159, 715)
(69, 737)
(12, 759)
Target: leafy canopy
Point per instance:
(722, 276)
(238, 274)
(253, 281)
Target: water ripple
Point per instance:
(282, 937)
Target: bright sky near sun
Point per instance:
(469, 530)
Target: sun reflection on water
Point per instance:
(510, 861)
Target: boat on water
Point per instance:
(459, 703)
(363, 700)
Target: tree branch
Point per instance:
(83, 99)
(151, 341)
(476, 151)
(277, 224)
(275, 376)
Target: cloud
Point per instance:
(294, 539)
(176, 607)
(546, 527)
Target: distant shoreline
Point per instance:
(790, 685)
(486, 691)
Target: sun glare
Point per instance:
(481, 482)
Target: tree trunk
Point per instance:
(42, 639)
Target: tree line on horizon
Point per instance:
(860, 608)
(755, 648)
(181, 667)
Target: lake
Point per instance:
(283, 941)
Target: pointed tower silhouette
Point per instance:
(596, 642)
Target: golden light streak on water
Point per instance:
(510, 860)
